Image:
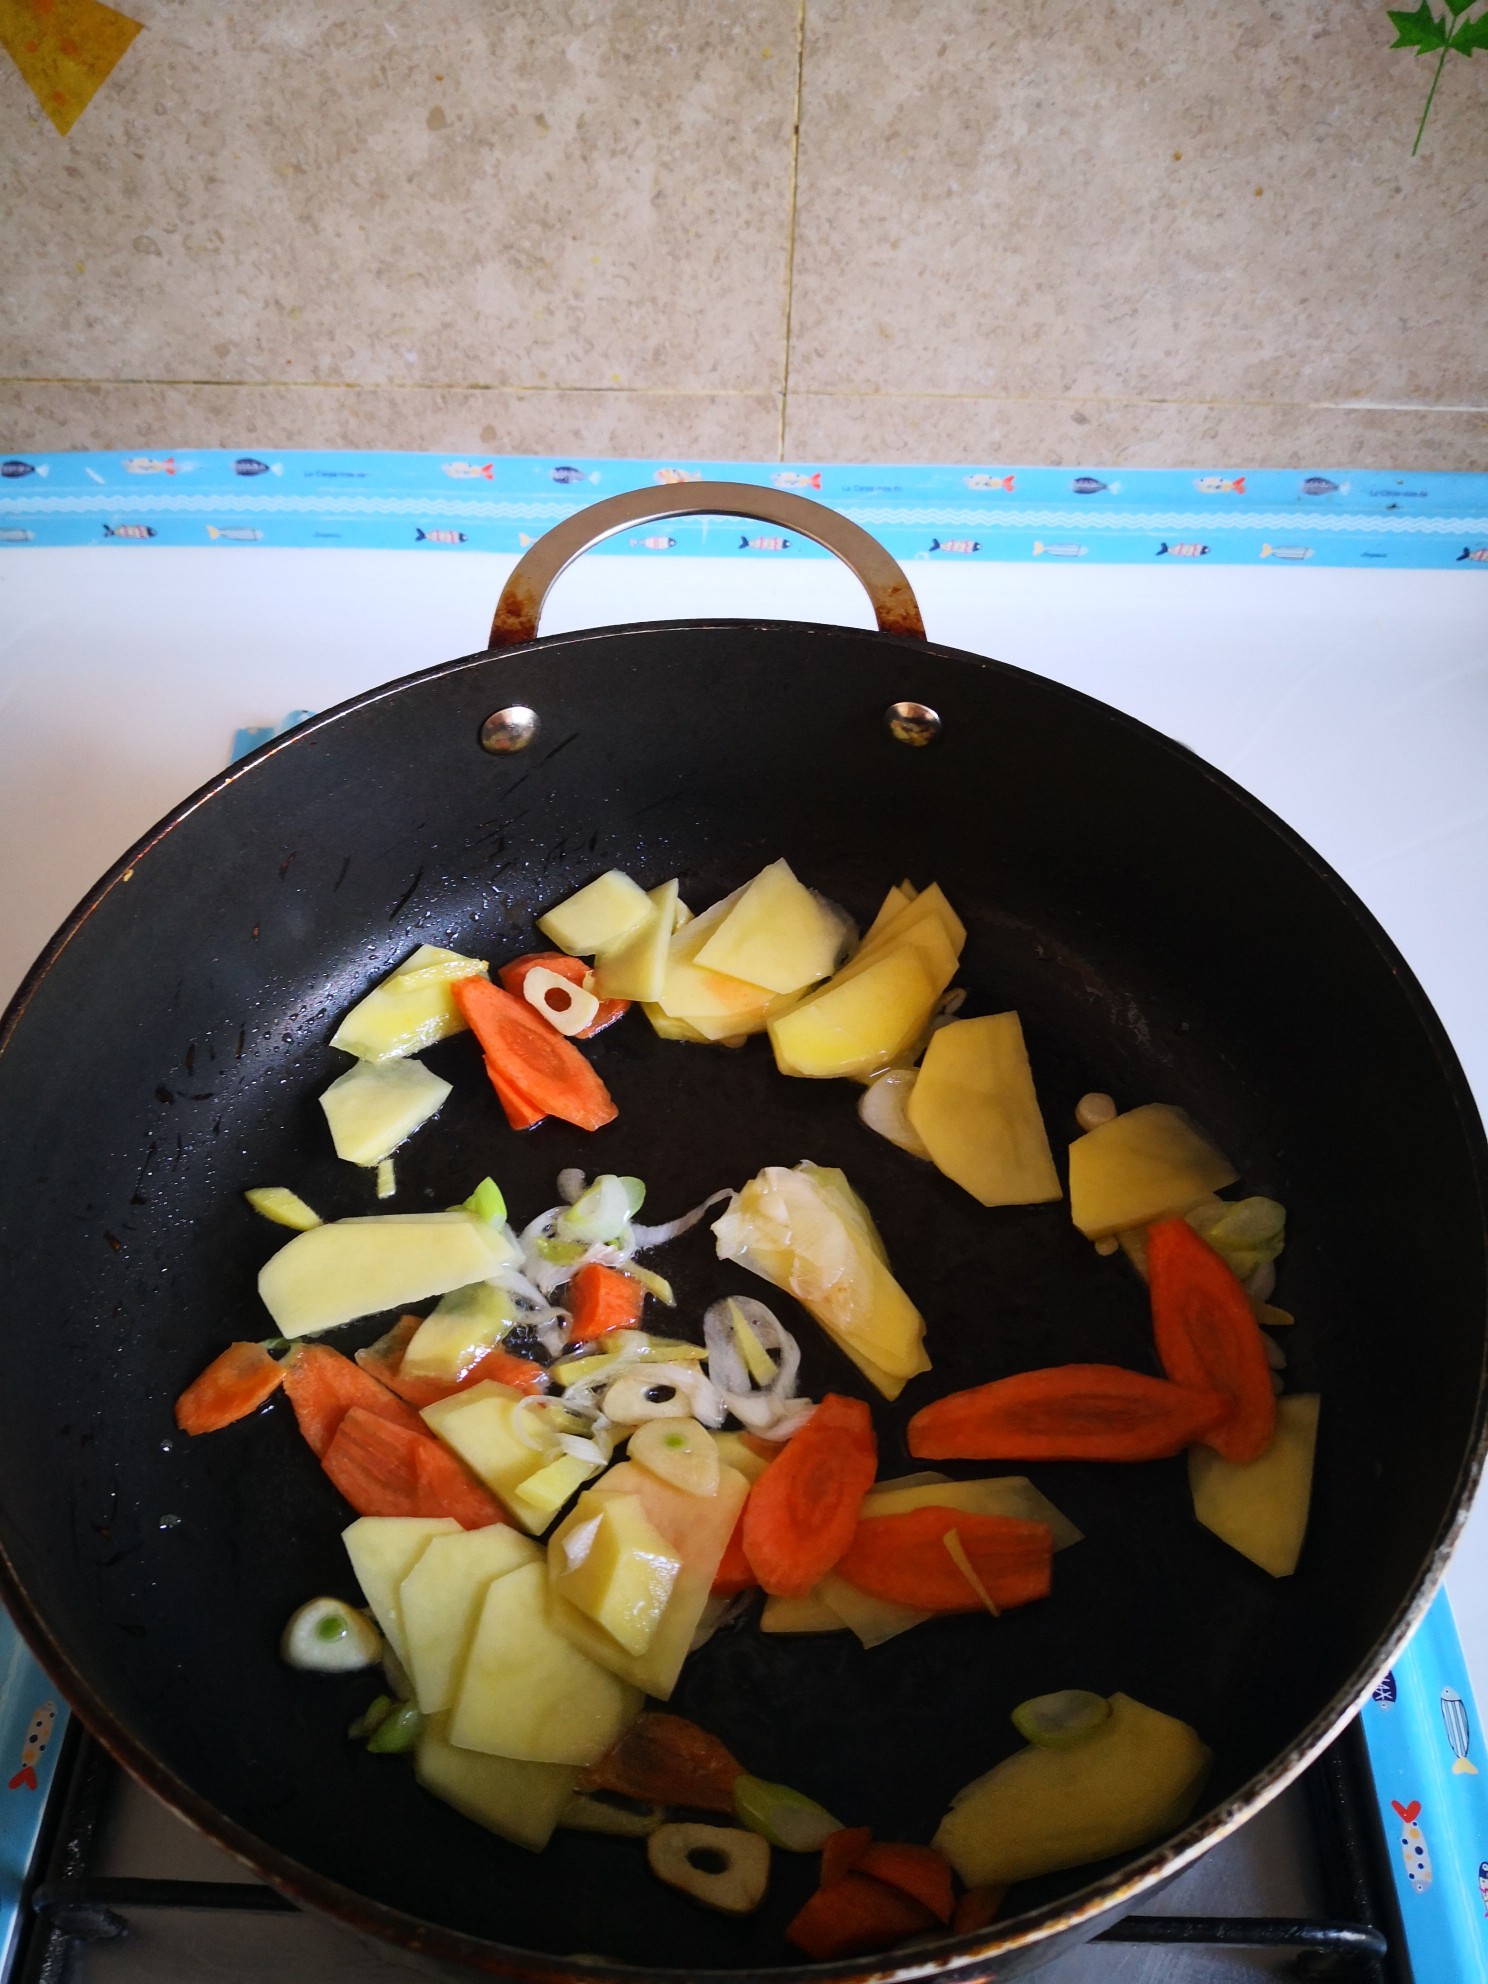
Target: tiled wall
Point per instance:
(1117, 231)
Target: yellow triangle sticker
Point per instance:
(65, 50)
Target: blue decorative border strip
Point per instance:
(954, 515)
(1421, 1728)
(32, 1724)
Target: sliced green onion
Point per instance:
(757, 1360)
(486, 1202)
(635, 1194)
(284, 1207)
(560, 1253)
(330, 1626)
(371, 1718)
(601, 1213)
(326, 1636)
(387, 1179)
(398, 1731)
(275, 1345)
(1055, 1721)
(788, 1819)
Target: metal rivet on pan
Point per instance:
(912, 723)
(511, 729)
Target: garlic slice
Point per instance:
(564, 1005)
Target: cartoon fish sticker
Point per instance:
(1091, 485)
(1295, 552)
(954, 544)
(234, 534)
(38, 1735)
(251, 465)
(789, 478)
(129, 530)
(1473, 557)
(1459, 1735)
(1319, 485)
(1413, 1845)
(14, 469)
(470, 471)
(1386, 1693)
(655, 543)
(670, 475)
(438, 536)
(1003, 482)
(1218, 485)
(17, 536)
(1058, 550)
(1483, 1883)
(1182, 551)
(764, 544)
(155, 465)
(566, 472)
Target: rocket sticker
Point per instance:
(1413, 1845)
(38, 1735)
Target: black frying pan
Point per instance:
(1163, 937)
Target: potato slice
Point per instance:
(464, 1324)
(810, 1614)
(383, 1550)
(1260, 1507)
(1134, 1778)
(897, 898)
(412, 1008)
(597, 917)
(997, 1495)
(929, 902)
(440, 1599)
(359, 1267)
(378, 1105)
(777, 935)
(479, 1424)
(975, 1110)
(635, 968)
(859, 1025)
(614, 1566)
(679, 1451)
(1148, 1164)
(873, 1620)
(520, 1801)
(527, 1691)
(697, 1528)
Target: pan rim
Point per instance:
(947, 1956)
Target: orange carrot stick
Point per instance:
(232, 1386)
(842, 1852)
(513, 976)
(385, 1469)
(529, 1063)
(853, 1916)
(323, 1386)
(1070, 1412)
(603, 1299)
(735, 1573)
(902, 1558)
(1207, 1335)
(977, 1909)
(918, 1871)
(802, 1511)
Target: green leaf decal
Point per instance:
(1420, 30)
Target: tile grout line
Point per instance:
(790, 240)
(742, 393)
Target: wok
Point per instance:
(1162, 935)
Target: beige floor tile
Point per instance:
(890, 428)
(1113, 199)
(687, 425)
(581, 193)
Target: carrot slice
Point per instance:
(513, 976)
(978, 1908)
(853, 1916)
(918, 1871)
(843, 1850)
(902, 1558)
(735, 1573)
(323, 1386)
(802, 1511)
(232, 1386)
(1070, 1412)
(1207, 1335)
(530, 1064)
(385, 1469)
(384, 1359)
(666, 1760)
(603, 1299)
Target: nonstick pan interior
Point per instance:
(1161, 936)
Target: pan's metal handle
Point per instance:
(889, 591)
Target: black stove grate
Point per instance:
(71, 1907)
